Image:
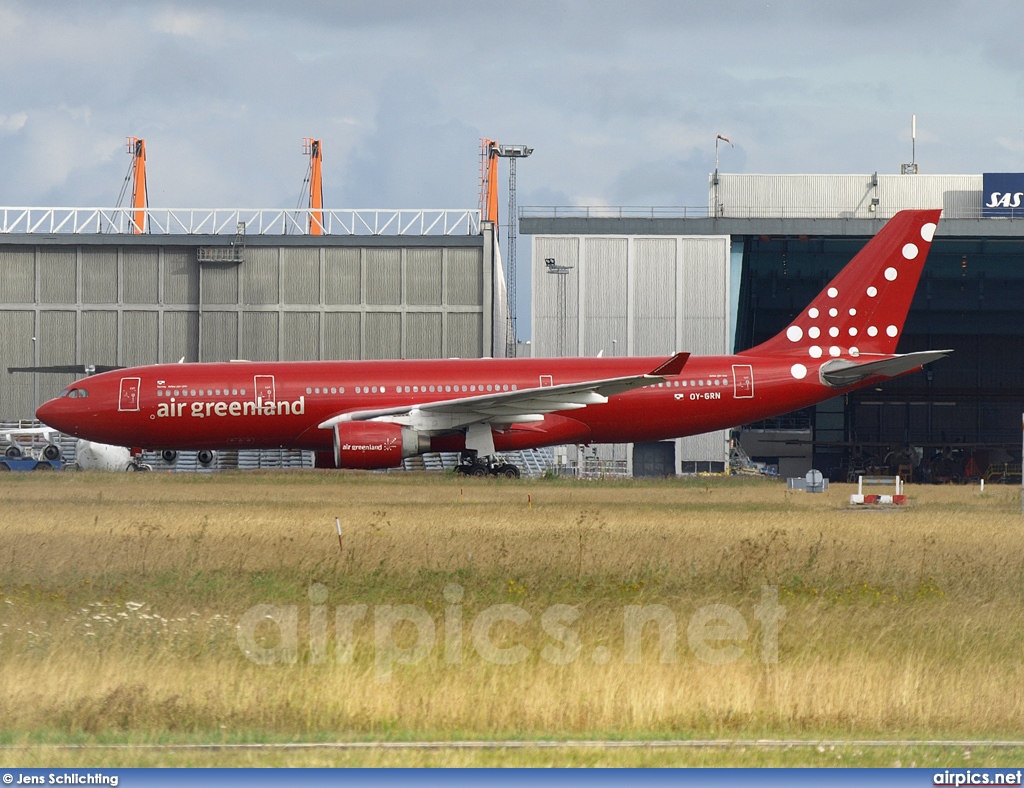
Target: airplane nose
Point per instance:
(50, 414)
(45, 411)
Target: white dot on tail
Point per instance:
(928, 232)
(872, 292)
(833, 312)
(854, 351)
(890, 274)
(852, 311)
(833, 332)
(815, 351)
(813, 312)
(872, 331)
(834, 351)
(798, 371)
(910, 251)
(814, 332)
(892, 331)
(832, 292)
(853, 331)
(794, 333)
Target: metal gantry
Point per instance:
(224, 221)
(512, 152)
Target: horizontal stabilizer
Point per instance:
(840, 374)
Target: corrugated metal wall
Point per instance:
(637, 296)
(844, 196)
(133, 305)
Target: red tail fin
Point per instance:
(862, 310)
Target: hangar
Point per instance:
(789, 234)
(635, 295)
(79, 289)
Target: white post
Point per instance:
(860, 485)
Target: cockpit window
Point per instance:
(77, 393)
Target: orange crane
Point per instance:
(140, 194)
(488, 181)
(315, 177)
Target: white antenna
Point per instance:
(911, 169)
(913, 140)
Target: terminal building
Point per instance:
(787, 236)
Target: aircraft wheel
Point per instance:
(478, 470)
(508, 471)
(13, 452)
(52, 452)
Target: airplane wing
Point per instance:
(508, 407)
(840, 374)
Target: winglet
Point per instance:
(673, 366)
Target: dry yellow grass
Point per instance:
(120, 596)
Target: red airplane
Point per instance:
(372, 414)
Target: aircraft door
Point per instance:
(129, 398)
(264, 388)
(743, 381)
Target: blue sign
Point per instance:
(1002, 195)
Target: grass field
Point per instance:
(127, 600)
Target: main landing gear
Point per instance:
(471, 465)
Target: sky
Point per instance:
(620, 101)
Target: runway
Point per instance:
(571, 744)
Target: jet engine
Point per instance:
(369, 445)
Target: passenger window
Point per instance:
(310, 391)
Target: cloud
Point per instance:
(416, 156)
(13, 123)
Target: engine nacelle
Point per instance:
(369, 445)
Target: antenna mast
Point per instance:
(911, 169)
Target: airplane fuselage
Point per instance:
(264, 405)
(375, 413)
